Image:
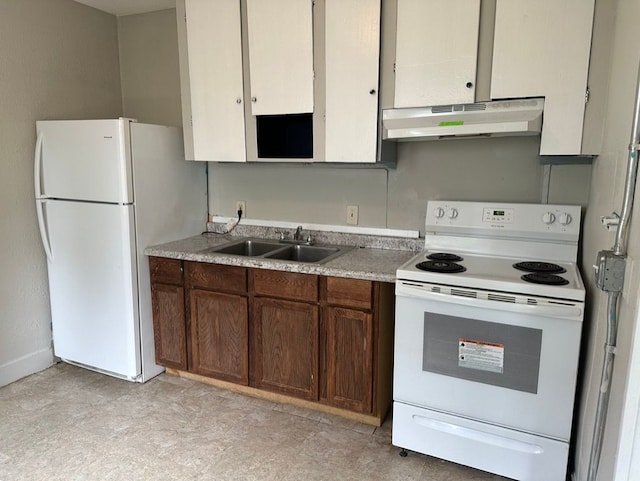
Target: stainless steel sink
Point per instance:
(277, 251)
(246, 247)
(301, 253)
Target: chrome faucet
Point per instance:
(297, 238)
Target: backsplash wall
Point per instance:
(501, 169)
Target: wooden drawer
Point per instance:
(349, 292)
(286, 285)
(166, 271)
(217, 277)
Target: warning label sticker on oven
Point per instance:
(485, 356)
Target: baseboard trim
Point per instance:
(25, 365)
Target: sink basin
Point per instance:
(301, 253)
(274, 250)
(246, 247)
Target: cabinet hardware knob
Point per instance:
(372, 91)
(254, 99)
(469, 85)
(238, 100)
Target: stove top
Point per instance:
(528, 249)
(497, 273)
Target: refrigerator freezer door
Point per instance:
(92, 282)
(85, 160)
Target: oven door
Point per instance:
(512, 364)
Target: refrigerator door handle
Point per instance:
(37, 167)
(43, 228)
(40, 200)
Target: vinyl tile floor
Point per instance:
(71, 424)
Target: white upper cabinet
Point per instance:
(436, 52)
(541, 48)
(211, 77)
(280, 56)
(352, 47)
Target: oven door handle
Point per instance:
(560, 311)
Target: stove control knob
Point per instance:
(549, 218)
(438, 212)
(565, 218)
(452, 213)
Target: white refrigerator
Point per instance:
(105, 190)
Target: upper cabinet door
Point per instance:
(436, 52)
(541, 48)
(214, 48)
(280, 56)
(352, 66)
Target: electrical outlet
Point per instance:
(241, 205)
(352, 214)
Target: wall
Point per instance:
(148, 45)
(607, 186)
(501, 169)
(58, 59)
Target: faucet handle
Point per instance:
(281, 234)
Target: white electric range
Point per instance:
(488, 326)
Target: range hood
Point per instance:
(484, 119)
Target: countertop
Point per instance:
(370, 263)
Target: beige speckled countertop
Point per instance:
(377, 263)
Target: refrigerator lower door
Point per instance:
(92, 282)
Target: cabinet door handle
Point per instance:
(238, 100)
(254, 99)
(372, 91)
(469, 85)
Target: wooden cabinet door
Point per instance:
(169, 326)
(285, 347)
(352, 51)
(349, 359)
(436, 52)
(215, 80)
(220, 335)
(542, 48)
(280, 56)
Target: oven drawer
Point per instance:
(509, 453)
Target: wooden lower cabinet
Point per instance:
(167, 304)
(322, 342)
(349, 359)
(285, 347)
(169, 327)
(220, 335)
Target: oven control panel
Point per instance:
(547, 221)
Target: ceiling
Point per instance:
(129, 7)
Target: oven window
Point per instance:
(481, 351)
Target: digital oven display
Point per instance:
(497, 216)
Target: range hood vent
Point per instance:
(484, 119)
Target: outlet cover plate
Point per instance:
(352, 214)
